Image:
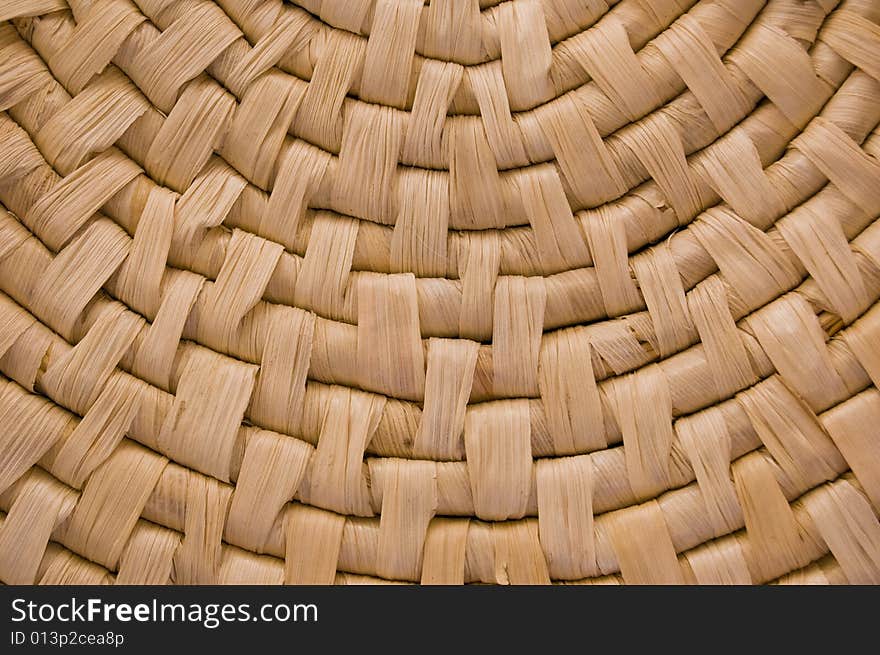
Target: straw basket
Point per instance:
(459, 291)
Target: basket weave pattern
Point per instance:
(517, 291)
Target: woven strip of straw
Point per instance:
(459, 291)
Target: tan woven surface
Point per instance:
(516, 291)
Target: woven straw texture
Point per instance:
(447, 291)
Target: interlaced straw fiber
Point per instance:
(439, 291)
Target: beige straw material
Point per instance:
(439, 291)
